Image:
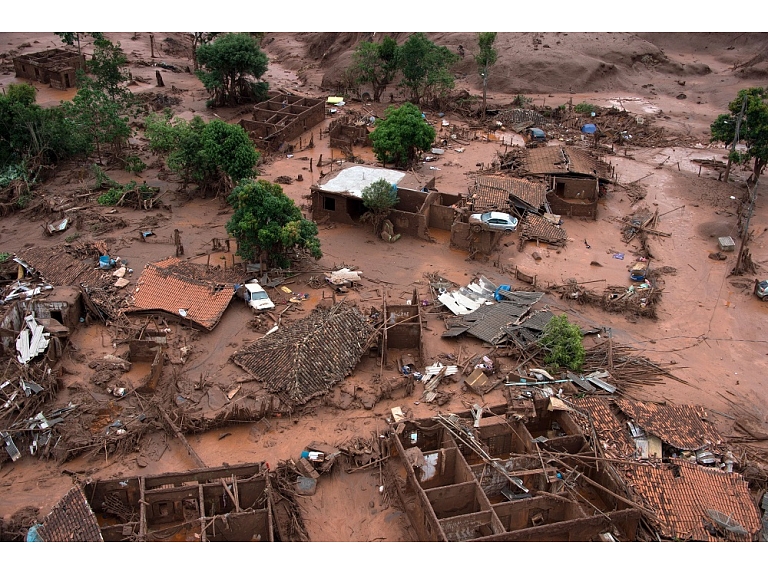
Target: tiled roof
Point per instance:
(535, 227)
(683, 492)
(308, 357)
(563, 160)
(681, 426)
(610, 431)
(71, 519)
(162, 287)
(529, 331)
(60, 268)
(488, 321)
(493, 192)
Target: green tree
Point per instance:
(228, 64)
(485, 58)
(200, 39)
(209, 154)
(267, 223)
(562, 341)
(69, 38)
(99, 118)
(753, 129)
(378, 198)
(399, 136)
(426, 67)
(109, 67)
(376, 64)
(31, 134)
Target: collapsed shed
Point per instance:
(56, 67)
(505, 194)
(307, 358)
(282, 118)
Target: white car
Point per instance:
(256, 297)
(497, 221)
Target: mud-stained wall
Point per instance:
(483, 242)
(575, 197)
(453, 500)
(283, 118)
(407, 223)
(472, 526)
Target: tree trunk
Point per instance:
(485, 90)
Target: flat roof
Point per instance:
(352, 180)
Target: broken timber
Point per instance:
(200, 463)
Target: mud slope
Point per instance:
(556, 61)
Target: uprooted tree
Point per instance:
(268, 225)
(399, 136)
(231, 68)
(562, 342)
(378, 198)
(753, 129)
(215, 156)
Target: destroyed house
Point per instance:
(282, 118)
(484, 476)
(308, 357)
(695, 503)
(338, 198)
(503, 194)
(230, 503)
(165, 289)
(56, 67)
(645, 430)
(348, 131)
(573, 176)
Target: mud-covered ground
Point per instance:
(709, 323)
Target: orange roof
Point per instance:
(611, 432)
(162, 287)
(682, 493)
(681, 426)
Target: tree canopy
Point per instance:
(563, 342)
(399, 136)
(376, 64)
(379, 198)
(485, 58)
(203, 153)
(229, 66)
(267, 222)
(426, 67)
(753, 130)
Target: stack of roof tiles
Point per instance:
(163, 286)
(494, 193)
(71, 519)
(684, 495)
(308, 357)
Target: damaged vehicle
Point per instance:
(257, 297)
(761, 289)
(494, 221)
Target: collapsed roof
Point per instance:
(71, 519)
(308, 357)
(499, 192)
(692, 502)
(165, 287)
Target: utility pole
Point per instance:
(735, 136)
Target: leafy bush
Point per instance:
(584, 108)
(134, 165)
(4, 257)
(112, 196)
(563, 342)
(521, 101)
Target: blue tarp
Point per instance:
(589, 128)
